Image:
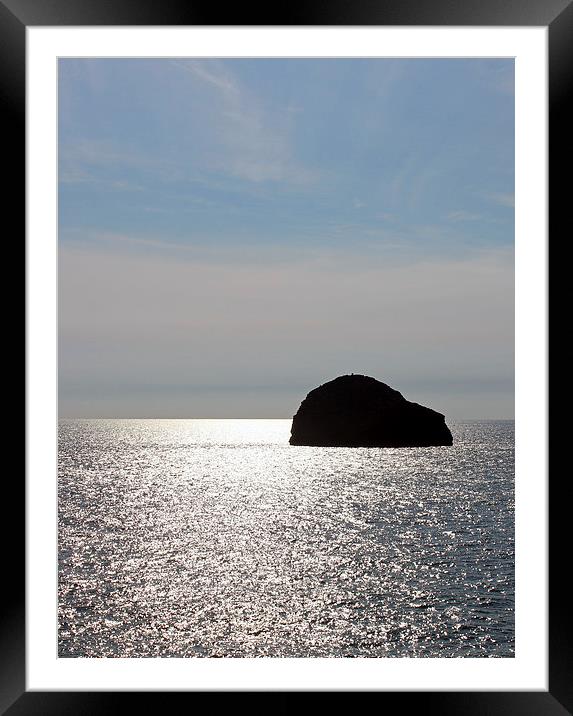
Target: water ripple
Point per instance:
(192, 538)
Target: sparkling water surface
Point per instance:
(216, 538)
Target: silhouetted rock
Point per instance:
(359, 411)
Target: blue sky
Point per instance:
(281, 222)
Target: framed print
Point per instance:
(228, 217)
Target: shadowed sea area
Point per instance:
(216, 538)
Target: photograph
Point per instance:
(286, 357)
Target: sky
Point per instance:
(234, 233)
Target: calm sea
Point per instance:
(215, 538)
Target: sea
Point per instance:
(216, 538)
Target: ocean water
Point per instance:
(215, 538)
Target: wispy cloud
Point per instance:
(99, 152)
(97, 161)
(503, 199)
(73, 174)
(256, 144)
(217, 77)
(413, 180)
(463, 216)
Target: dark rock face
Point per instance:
(359, 411)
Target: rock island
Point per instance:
(360, 411)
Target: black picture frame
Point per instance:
(15, 17)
